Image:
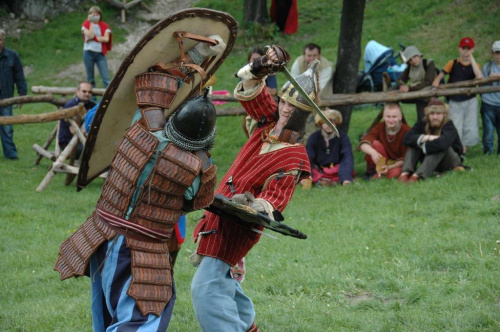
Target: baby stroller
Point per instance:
(377, 60)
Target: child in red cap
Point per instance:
(463, 108)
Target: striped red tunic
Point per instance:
(264, 175)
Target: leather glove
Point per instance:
(248, 199)
(263, 67)
(204, 50)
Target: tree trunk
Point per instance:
(255, 11)
(345, 78)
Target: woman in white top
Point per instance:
(97, 42)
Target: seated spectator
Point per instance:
(383, 145)
(330, 156)
(66, 131)
(89, 117)
(419, 74)
(434, 143)
(490, 106)
(310, 53)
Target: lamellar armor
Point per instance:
(159, 204)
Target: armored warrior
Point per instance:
(161, 170)
(263, 176)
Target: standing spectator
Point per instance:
(66, 131)
(330, 156)
(11, 72)
(434, 143)
(419, 74)
(463, 108)
(490, 107)
(383, 145)
(98, 40)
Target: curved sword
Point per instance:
(309, 100)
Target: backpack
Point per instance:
(437, 70)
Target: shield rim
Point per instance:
(83, 175)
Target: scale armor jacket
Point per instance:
(159, 205)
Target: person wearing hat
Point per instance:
(418, 74)
(383, 145)
(263, 176)
(330, 156)
(490, 106)
(434, 143)
(464, 107)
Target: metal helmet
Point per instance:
(192, 126)
(309, 81)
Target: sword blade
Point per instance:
(309, 100)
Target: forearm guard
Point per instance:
(261, 67)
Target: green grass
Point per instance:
(380, 256)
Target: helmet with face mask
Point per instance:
(309, 81)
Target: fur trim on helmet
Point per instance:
(436, 106)
(333, 115)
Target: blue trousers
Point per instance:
(90, 59)
(490, 115)
(218, 300)
(7, 135)
(112, 309)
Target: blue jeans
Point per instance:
(7, 135)
(112, 308)
(93, 58)
(218, 300)
(491, 122)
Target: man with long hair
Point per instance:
(434, 143)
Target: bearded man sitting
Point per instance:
(434, 143)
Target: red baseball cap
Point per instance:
(466, 42)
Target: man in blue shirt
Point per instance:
(490, 106)
(11, 72)
(66, 132)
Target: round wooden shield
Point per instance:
(118, 104)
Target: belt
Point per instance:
(132, 230)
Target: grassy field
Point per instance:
(380, 256)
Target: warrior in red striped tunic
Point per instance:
(264, 176)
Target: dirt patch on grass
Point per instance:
(355, 299)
